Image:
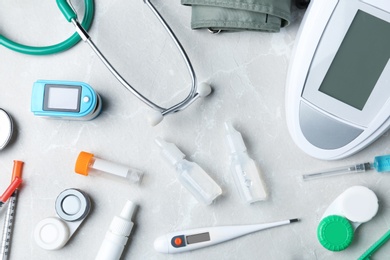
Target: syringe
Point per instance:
(10, 216)
(8, 192)
(380, 164)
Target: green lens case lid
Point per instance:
(335, 233)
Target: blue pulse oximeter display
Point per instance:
(65, 100)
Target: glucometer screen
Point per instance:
(203, 237)
(62, 98)
(359, 62)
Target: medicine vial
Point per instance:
(117, 235)
(245, 172)
(190, 174)
(87, 161)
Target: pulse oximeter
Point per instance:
(65, 100)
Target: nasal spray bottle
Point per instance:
(190, 174)
(245, 172)
(117, 235)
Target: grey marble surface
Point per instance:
(247, 71)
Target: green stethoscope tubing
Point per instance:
(56, 48)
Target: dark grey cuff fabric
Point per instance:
(232, 15)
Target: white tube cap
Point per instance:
(234, 139)
(170, 151)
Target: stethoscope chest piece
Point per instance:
(6, 128)
(72, 207)
(196, 91)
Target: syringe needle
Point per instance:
(362, 167)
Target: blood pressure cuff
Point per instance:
(233, 15)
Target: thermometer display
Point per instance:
(198, 238)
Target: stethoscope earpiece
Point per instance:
(204, 89)
(155, 117)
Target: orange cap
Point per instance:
(11, 188)
(83, 162)
(17, 170)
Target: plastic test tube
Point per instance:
(87, 161)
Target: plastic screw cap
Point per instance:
(359, 204)
(82, 163)
(335, 233)
(72, 205)
(51, 234)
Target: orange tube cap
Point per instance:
(82, 163)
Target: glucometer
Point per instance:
(337, 91)
(65, 100)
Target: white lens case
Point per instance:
(72, 207)
(348, 211)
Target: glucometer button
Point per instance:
(178, 241)
(323, 131)
(86, 99)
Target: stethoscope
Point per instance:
(197, 91)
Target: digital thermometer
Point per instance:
(338, 83)
(65, 100)
(183, 241)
